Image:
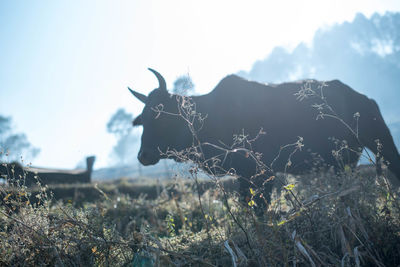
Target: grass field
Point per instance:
(315, 220)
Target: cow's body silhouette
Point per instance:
(333, 121)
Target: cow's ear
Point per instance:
(137, 121)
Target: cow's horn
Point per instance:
(139, 96)
(160, 78)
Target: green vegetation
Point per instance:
(315, 220)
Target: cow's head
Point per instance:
(163, 130)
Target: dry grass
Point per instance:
(316, 220)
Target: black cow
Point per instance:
(330, 119)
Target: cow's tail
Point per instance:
(89, 166)
(376, 136)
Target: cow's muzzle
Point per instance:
(148, 158)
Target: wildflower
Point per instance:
(252, 192)
(281, 222)
(289, 187)
(251, 203)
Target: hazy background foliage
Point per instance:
(120, 125)
(14, 145)
(183, 85)
(364, 54)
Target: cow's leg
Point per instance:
(258, 193)
(382, 145)
(244, 190)
(375, 135)
(378, 164)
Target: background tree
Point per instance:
(120, 125)
(14, 146)
(183, 85)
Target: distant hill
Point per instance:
(165, 169)
(132, 171)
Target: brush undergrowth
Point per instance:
(323, 219)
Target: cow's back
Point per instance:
(240, 106)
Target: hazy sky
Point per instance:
(65, 65)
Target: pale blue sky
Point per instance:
(65, 65)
